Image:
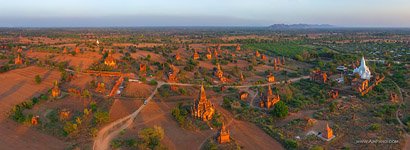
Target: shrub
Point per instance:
(280, 110)
(37, 79)
(151, 137)
(101, 117)
(70, 128)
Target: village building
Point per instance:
(223, 135)
(318, 76)
(202, 108)
(110, 61)
(363, 70)
(269, 99)
(55, 92)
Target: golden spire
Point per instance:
(270, 92)
(202, 93)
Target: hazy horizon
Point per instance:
(129, 13)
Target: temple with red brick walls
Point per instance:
(77, 50)
(65, 50)
(202, 108)
(18, 60)
(333, 94)
(209, 54)
(177, 56)
(270, 78)
(257, 54)
(264, 57)
(269, 99)
(64, 114)
(238, 47)
(276, 64)
(55, 92)
(143, 69)
(243, 95)
(110, 61)
(172, 77)
(34, 120)
(100, 87)
(394, 98)
(242, 77)
(216, 53)
(223, 135)
(318, 76)
(196, 55)
(359, 85)
(328, 133)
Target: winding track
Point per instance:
(107, 133)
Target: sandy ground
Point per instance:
(18, 86)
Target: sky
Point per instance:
(118, 13)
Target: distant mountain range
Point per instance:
(299, 26)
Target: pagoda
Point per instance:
(172, 77)
(242, 77)
(203, 108)
(143, 69)
(177, 57)
(318, 76)
(77, 50)
(110, 61)
(257, 54)
(223, 135)
(55, 92)
(270, 99)
(328, 133)
(18, 60)
(209, 55)
(219, 73)
(100, 87)
(238, 47)
(196, 55)
(363, 70)
(270, 78)
(65, 50)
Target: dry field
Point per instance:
(18, 86)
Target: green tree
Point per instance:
(37, 78)
(280, 110)
(151, 137)
(101, 117)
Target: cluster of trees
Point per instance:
(180, 113)
(148, 138)
(17, 111)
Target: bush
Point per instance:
(151, 137)
(291, 144)
(70, 128)
(280, 110)
(37, 79)
(101, 117)
(374, 127)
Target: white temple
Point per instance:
(363, 70)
